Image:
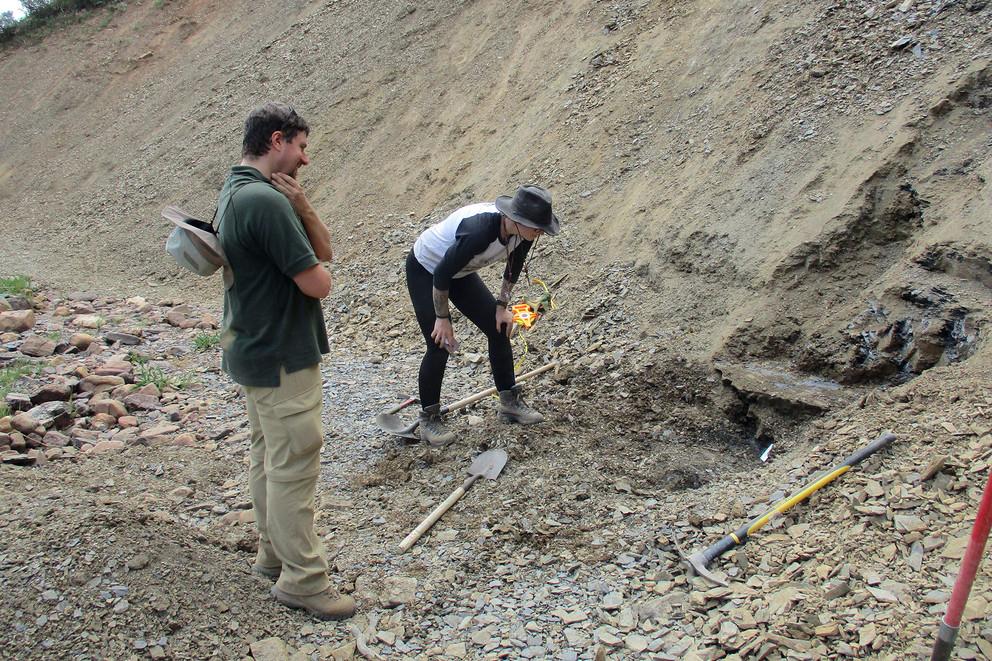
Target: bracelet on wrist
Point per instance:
(501, 303)
(442, 316)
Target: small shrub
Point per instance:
(16, 286)
(205, 341)
(9, 376)
(145, 373)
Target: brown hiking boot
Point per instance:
(432, 427)
(513, 408)
(323, 605)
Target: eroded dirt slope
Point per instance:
(778, 221)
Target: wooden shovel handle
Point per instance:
(426, 524)
(472, 399)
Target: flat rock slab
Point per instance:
(782, 388)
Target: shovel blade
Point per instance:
(391, 423)
(489, 464)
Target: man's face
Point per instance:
(293, 155)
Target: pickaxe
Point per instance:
(699, 562)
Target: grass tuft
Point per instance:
(9, 376)
(18, 285)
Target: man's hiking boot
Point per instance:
(513, 408)
(323, 605)
(432, 427)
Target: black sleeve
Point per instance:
(515, 263)
(473, 236)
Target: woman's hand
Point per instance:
(444, 335)
(504, 320)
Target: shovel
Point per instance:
(390, 421)
(487, 465)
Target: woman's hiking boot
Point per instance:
(513, 408)
(432, 427)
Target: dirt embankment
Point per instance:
(778, 231)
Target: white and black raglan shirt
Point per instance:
(466, 241)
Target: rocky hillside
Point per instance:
(777, 232)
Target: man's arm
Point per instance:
(315, 281)
(317, 232)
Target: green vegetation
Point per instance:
(8, 376)
(40, 16)
(145, 373)
(16, 285)
(205, 341)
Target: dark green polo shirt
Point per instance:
(268, 322)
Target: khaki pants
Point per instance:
(286, 437)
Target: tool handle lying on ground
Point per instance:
(438, 512)
(391, 423)
(472, 399)
(487, 465)
(402, 405)
(701, 560)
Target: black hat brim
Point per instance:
(505, 205)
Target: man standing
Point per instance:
(273, 337)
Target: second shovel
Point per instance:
(487, 465)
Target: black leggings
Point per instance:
(475, 301)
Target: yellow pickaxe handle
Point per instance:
(700, 561)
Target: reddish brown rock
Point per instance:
(139, 402)
(110, 407)
(18, 442)
(24, 423)
(106, 446)
(114, 367)
(53, 392)
(18, 401)
(175, 318)
(17, 321)
(81, 341)
(150, 389)
(127, 421)
(159, 433)
(98, 383)
(187, 440)
(54, 439)
(103, 421)
(37, 346)
(52, 414)
(16, 458)
(88, 321)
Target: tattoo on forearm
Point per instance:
(504, 293)
(441, 303)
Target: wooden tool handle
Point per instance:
(472, 399)
(402, 405)
(426, 524)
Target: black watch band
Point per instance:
(442, 316)
(500, 301)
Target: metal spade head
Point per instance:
(489, 464)
(392, 423)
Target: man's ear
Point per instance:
(277, 141)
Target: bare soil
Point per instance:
(777, 230)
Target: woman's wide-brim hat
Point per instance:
(530, 206)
